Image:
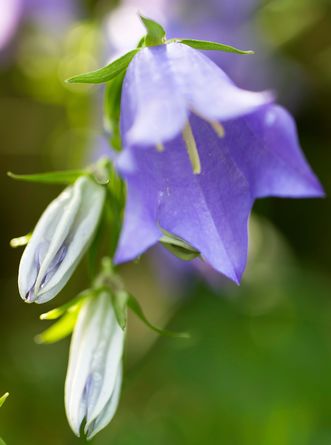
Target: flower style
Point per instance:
(94, 375)
(241, 147)
(59, 240)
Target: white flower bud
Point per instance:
(94, 375)
(59, 240)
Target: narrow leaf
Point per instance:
(2, 442)
(3, 399)
(60, 177)
(205, 45)
(53, 314)
(141, 42)
(120, 302)
(155, 32)
(136, 308)
(106, 73)
(60, 329)
(113, 110)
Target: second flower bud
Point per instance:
(59, 240)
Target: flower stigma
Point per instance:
(160, 147)
(192, 149)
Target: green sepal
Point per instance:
(120, 303)
(65, 325)
(155, 32)
(178, 247)
(60, 177)
(60, 329)
(206, 45)
(134, 305)
(56, 313)
(20, 241)
(113, 110)
(106, 73)
(3, 398)
(142, 42)
(114, 208)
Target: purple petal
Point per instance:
(265, 147)
(210, 211)
(153, 109)
(259, 156)
(207, 89)
(164, 83)
(139, 230)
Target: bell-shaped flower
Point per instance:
(59, 240)
(197, 152)
(94, 375)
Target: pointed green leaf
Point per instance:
(71, 306)
(3, 399)
(141, 42)
(205, 45)
(136, 308)
(120, 303)
(60, 329)
(155, 32)
(2, 442)
(106, 73)
(113, 110)
(60, 177)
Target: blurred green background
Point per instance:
(257, 368)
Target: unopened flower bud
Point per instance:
(59, 240)
(94, 375)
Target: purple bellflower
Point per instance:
(198, 151)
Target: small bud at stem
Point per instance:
(192, 149)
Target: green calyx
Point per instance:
(114, 73)
(155, 36)
(109, 282)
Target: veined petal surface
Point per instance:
(258, 156)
